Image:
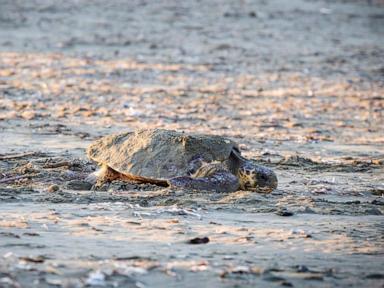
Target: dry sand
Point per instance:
(298, 84)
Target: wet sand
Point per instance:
(298, 84)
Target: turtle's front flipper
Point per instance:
(221, 181)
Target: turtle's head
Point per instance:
(257, 178)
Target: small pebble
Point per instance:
(79, 185)
(53, 188)
(284, 212)
(252, 14)
(198, 240)
(302, 268)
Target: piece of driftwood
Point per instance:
(11, 179)
(58, 164)
(15, 156)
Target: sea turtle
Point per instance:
(178, 159)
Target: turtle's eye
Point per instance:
(264, 177)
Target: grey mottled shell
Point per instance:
(157, 153)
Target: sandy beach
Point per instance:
(298, 84)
